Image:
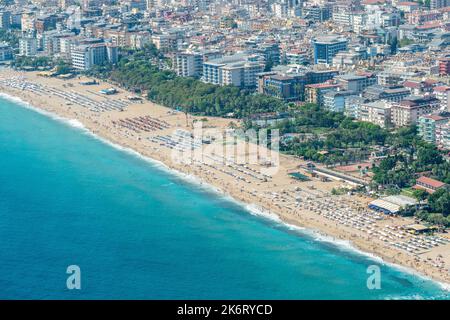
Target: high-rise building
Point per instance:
(27, 46)
(5, 19)
(239, 70)
(190, 64)
(85, 56)
(27, 21)
(325, 48)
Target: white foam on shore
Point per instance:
(71, 122)
(253, 209)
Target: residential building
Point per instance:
(290, 85)
(436, 4)
(296, 57)
(85, 56)
(408, 111)
(417, 87)
(317, 13)
(335, 100)
(190, 63)
(314, 92)
(377, 92)
(352, 106)
(444, 66)
(27, 46)
(377, 112)
(356, 83)
(428, 126)
(45, 23)
(165, 42)
(5, 19)
(239, 70)
(443, 94)
(5, 52)
(270, 52)
(443, 136)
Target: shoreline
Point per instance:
(305, 225)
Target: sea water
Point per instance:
(138, 231)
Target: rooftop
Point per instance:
(431, 182)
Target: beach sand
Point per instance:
(301, 203)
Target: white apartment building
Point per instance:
(281, 10)
(190, 64)
(359, 21)
(443, 94)
(86, 56)
(342, 15)
(443, 136)
(27, 21)
(165, 42)
(139, 40)
(352, 106)
(296, 57)
(27, 47)
(64, 46)
(239, 70)
(377, 112)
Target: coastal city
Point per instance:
(354, 96)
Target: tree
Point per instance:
(63, 67)
(429, 155)
(420, 195)
(439, 201)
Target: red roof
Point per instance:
(434, 117)
(430, 81)
(431, 182)
(430, 25)
(412, 84)
(442, 88)
(407, 3)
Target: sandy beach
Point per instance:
(264, 182)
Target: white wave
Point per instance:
(253, 209)
(71, 122)
(405, 297)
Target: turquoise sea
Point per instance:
(139, 231)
